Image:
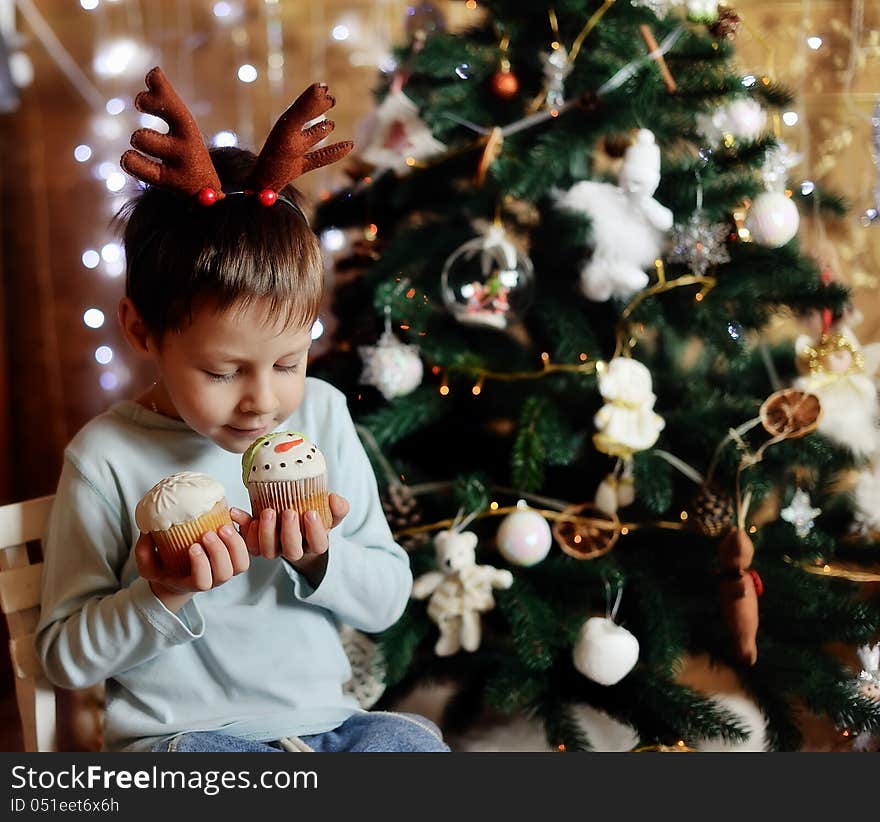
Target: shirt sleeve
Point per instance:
(91, 627)
(368, 581)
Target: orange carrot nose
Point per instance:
(286, 446)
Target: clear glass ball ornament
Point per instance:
(488, 281)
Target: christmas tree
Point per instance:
(572, 226)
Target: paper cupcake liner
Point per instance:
(173, 543)
(303, 495)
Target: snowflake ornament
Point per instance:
(699, 244)
(800, 513)
(777, 162)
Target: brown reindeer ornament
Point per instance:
(740, 588)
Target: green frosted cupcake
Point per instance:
(286, 470)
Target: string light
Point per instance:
(104, 354)
(89, 5)
(115, 105)
(111, 252)
(90, 258)
(814, 42)
(93, 317)
(82, 153)
(247, 73)
(108, 380)
(225, 138)
(333, 239)
(115, 182)
(790, 118)
(340, 32)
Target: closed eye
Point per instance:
(221, 377)
(287, 369)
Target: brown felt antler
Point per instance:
(186, 165)
(286, 155)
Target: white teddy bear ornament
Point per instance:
(628, 225)
(459, 592)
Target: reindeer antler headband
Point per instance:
(186, 164)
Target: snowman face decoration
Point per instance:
(285, 456)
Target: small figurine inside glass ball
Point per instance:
(487, 281)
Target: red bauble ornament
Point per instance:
(505, 84)
(267, 197)
(207, 196)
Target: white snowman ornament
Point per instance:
(625, 424)
(629, 226)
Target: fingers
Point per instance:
(249, 527)
(339, 508)
(145, 557)
(267, 542)
(236, 548)
(200, 575)
(316, 536)
(221, 565)
(291, 536)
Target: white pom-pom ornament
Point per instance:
(773, 219)
(393, 367)
(524, 537)
(605, 652)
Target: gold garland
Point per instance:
(842, 570)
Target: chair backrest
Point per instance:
(20, 523)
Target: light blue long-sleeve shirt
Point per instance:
(258, 657)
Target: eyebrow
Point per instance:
(226, 356)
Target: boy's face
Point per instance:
(234, 375)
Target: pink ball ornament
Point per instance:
(524, 537)
(773, 219)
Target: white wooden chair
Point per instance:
(20, 591)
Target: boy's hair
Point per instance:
(180, 254)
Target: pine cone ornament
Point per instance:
(727, 25)
(713, 512)
(402, 510)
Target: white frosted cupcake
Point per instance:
(178, 511)
(286, 470)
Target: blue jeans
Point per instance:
(376, 731)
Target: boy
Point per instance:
(243, 653)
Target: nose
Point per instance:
(259, 398)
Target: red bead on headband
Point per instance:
(186, 164)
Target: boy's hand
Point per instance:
(216, 559)
(304, 548)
